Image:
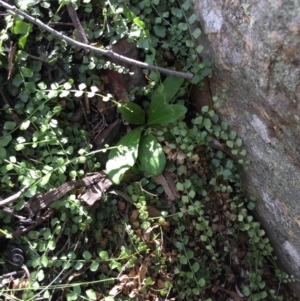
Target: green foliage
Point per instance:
(146, 246)
(146, 149)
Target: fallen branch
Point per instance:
(13, 197)
(39, 202)
(107, 53)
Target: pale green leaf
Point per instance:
(151, 155)
(124, 156)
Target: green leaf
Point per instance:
(192, 18)
(78, 265)
(2, 153)
(171, 86)
(151, 156)
(189, 43)
(21, 27)
(91, 294)
(232, 135)
(186, 5)
(229, 143)
(26, 72)
(199, 49)
(87, 255)
(45, 179)
(182, 26)
(176, 12)
(196, 33)
(18, 80)
(132, 113)
(207, 123)
(4, 140)
(203, 237)
(198, 120)
(9, 125)
(201, 282)
(162, 113)
(23, 40)
(238, 142)
(251, 205)
(44, 261)
(103, 255)
(94, 266)
(195, 267)
(123, 157)
(160, 30)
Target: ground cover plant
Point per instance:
(170, 220)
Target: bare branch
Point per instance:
(76, 22)
(107, 53)
(13, 197)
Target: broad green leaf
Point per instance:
(124, 156)
(171, 86)
(151, 156)
(165, 113)
(21, 27)
(132, 113)
(4, 140)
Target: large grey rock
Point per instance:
(255, 48)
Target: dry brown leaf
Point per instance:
(134, 215)
(134, 293)
(116, 290)
(121, 206)
(152, 211)
(181, 156)
(124, 278)
(167, 181)
(143, 271)
(218, 227)
(160, 284)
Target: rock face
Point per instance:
(255, 48)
